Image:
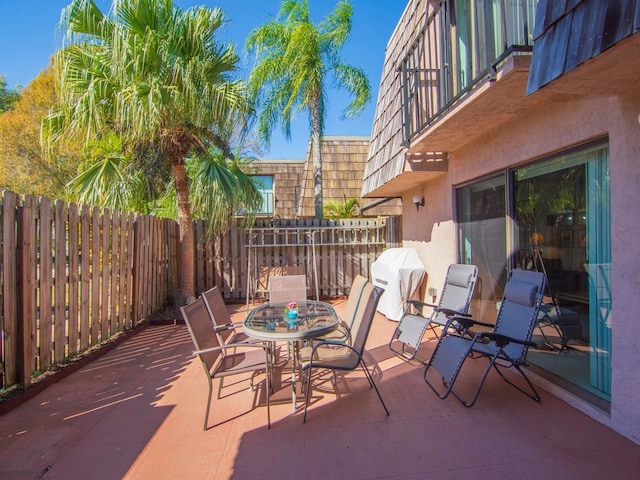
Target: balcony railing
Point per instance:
(461, 44)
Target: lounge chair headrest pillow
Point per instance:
(522, 293)
(459, 277)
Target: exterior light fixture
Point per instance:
(418, 200)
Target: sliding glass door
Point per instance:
(559, 222)
(482, 240)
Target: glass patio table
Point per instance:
(271, 322)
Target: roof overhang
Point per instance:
(418, 168)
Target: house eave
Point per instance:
(418, 168)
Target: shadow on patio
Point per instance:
(137, 413)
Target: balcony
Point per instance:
(137, 412)
(451, 74)
(469, 61)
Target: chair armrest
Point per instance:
(503, 340)
(419, 304)
(325, 343)
(468, 322)
(344, 328)
(332, 343)
(263, 346)
(222, 328)
(451, 313)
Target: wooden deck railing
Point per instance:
(72, 277)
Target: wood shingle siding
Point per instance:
(343, 164)
(568, 33)
(386, 153)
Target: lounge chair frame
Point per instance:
(455, 299)
(504, 347)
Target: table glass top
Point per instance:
(271, 320)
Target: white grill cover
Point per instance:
(400, 272)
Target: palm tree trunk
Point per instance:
(186, 254)
(316, 138)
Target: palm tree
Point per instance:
(156, 76)
(337, 209)
(293, 60)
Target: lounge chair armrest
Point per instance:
(502, 340)
(452, 313)
(468, 322)
(419, 304)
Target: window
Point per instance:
(265, 186)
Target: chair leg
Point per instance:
(475, 396)
(206, 414)
(533, 394)
(220, 387)
(373, 384)
(268, 393)
(307, 395)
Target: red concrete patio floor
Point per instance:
(137, 413)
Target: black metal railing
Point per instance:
(460, 45)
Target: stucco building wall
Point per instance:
(550, 128)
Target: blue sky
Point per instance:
(29, 36)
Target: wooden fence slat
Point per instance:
(136, 287)
(46, 284)
(85, 277)
(28, 345)
(114, 320)
(60, 282)
(145, 272)
(105, 251)
(74, 255)
(95, 276)
(10, 295)
(124, 272)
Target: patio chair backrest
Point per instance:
(288, 288)
(457, 290)
(219, 314)
(353, 301)
(196, 316)
(519, 308)
(364, 316)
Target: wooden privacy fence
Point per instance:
(73, 277)
(331, 252)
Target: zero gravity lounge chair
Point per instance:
(454, 299)
(505, 346)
